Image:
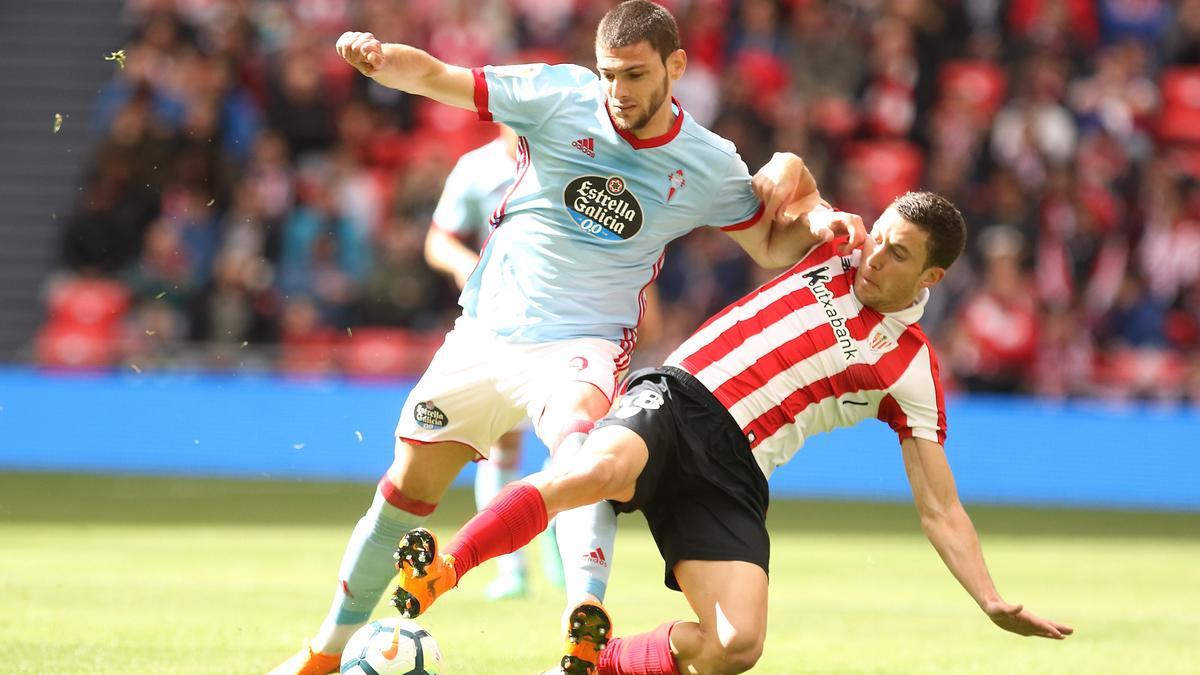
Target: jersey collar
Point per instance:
(655, 141)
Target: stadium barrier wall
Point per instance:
(1003, 450)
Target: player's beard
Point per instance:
(657, 99)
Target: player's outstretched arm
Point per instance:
(795, 218)
(446, 254)
(408, 69)
(951, 532)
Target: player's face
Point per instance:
(893, 269)
(637, 82)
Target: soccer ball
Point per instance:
(391, 647)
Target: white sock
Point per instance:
(490, 477)
(586, 538)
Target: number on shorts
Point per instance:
(645, 399)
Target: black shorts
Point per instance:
(703, 495)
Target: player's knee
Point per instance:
(734, 652)
(601, 475)
(742, 656)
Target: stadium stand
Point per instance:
(276, 198)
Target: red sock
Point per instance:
(641, 654)
(507, 523)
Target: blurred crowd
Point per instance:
(252, 198)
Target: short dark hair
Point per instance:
(633, 21)
(939, 220)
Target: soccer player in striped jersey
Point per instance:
(831, 342)
(610, 169)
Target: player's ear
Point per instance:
(932, 276)
(676, 64)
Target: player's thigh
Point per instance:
(570, 403)
(730, 599)
(424, 471)
(457, 400)
(573, 380)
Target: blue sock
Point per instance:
(366, 570)
(586, 538)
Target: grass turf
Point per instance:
(151, 575)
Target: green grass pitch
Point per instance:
(150, 575)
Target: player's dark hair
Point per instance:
(941, 222)
(635, 21)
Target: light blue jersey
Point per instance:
(582, 231)
(473, 189)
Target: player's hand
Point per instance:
(786, 188)
(827, 224)
(1017, 619)
(362, 51)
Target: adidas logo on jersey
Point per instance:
(586, 145)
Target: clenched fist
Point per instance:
(362, 51)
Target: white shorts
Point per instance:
(480, 385)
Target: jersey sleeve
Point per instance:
(735, 206)
(525, 96)
(914, 407)
(458, 210)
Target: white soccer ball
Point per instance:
(392, 647)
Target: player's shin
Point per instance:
(586, 537)
(490, 477)
(367, 565)
(509, 522)
(640, 654)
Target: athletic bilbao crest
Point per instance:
(880, 342)
(603, 207)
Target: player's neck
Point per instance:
(899, 306)
(660, 123)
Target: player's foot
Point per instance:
(506, 586)
(424, 575)
(309, 662)
(588, 630)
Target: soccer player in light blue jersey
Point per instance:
(461, 223)
(610, 170)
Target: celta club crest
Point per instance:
(676, 181)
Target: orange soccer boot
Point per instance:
(424, 575)
(309, 662)
(588, 631)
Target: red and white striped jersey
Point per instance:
(801, 355)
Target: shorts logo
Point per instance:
(578, 363)
(603, 207)
(635, 403)
(429, 416)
